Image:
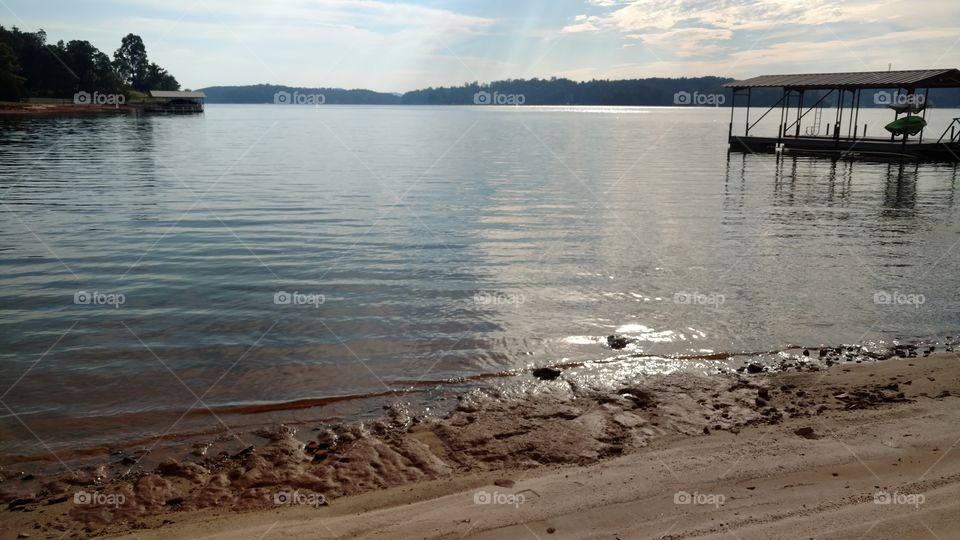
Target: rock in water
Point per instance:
(754, 368)
(617, 342)
(546, 374)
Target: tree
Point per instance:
(43, 72)
(108, 79)
(11, 84)
(130, 62)
(157, 78)
(29, 66)
(92, 68)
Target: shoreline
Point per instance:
(307, 411)
(538, 440)
(776, 483)
(42, 110)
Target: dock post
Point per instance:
(836, 132)
(782, 126)
(903, 145)
(926, 93)
(799, 111)
(733, 107)
(856, 117)
(896, 116)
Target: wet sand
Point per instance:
(799, 453)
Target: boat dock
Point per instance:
(175, 102)
(841, 94)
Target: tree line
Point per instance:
(271, 93)
(703, 91)
(31, 67)
(560, 91)
(554, 91)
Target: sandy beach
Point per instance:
(856, 450)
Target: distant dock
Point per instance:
(175, 102)
(842, 135)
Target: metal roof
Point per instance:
(176, 94)
(919, 78)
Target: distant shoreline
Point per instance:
(38, 110)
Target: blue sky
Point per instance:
(398, 45)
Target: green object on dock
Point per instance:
(910, 125)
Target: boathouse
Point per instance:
(175, 101)
(802, 104)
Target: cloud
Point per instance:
(356, 43)
(583, 23)
(404, 44)
(649, 15)
(372, 15)
(697, 36)
(901, 49)
(688, 42)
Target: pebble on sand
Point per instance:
(807, 433)
(617, 342)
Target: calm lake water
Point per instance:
(263, 254)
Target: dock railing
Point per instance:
(954, 132)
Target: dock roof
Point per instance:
(918, 78)
(176, 94)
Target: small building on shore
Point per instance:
(175, 101)
(803, 127)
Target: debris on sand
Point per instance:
(546, 373)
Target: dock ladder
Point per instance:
(815, 128)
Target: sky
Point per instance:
(400, 45)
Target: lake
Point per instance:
(266, 258)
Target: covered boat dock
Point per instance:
(175, 101)
(802, 129)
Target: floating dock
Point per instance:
(843, 136)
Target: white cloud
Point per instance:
(583, 23)
(374, 15)
(688, 42)
(688, 28)
(904, 50)
(352, 43)
(649, 15)
(395, 45)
